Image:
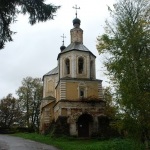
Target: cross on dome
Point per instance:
(63, 47)
(76, 9)
(63, 37)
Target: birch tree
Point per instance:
(126, 44)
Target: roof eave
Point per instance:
(75, 50)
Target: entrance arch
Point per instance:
(84, 125)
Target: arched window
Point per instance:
(80, 65)
(82, 93)
(50, 86)
(67, 63)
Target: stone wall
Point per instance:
(49, 84)
(73, 110)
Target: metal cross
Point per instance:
(63, 39)
(76, 9)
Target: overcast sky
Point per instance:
(35, 48)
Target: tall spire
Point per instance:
(63, 47)
(76, 9)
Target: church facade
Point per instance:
(72, 96)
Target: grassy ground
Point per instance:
(65, 143)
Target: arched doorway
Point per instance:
(84, 124)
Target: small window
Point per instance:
(67, 62)
(80, 65)
(81, 93)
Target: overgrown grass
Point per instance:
(66, 143)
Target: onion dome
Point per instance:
(62, 48)
(76, 21)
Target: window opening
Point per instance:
(81, 93)
(67, 66)
(80, 65)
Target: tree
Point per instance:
(126, 44)
(9, 111)
(37, 10)
(30, 96)
(111, 109)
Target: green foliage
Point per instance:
(61, 127)
(37, 10)
(68, 143)
(30, 96)
(112, 110)
(111, 107)
(10, 112)
(127, 45)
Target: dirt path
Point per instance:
(15, 143)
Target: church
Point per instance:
(72, 96)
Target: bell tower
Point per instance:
(76, 61)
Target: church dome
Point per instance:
(62, 47)
(76, 21)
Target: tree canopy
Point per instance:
(10, 112)
(30, 95)
(127, 45)
(37, 10)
